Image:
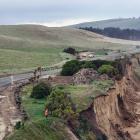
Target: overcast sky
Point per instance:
(65, 12)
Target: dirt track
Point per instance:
(9, 115)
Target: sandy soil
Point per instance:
(9, 115)
(135, 130)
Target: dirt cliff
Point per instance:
(117, 114)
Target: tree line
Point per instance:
(129, 34)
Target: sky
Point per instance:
(65, 12)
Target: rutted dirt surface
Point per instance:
(9, 114)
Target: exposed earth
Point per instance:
(135, 129)
(9, 114)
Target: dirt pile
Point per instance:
(85, 76)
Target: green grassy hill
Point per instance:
(24, 47)
(123, 23)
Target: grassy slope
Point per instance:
(82, 95)
(40, 130)
(121, 23)
(38, 127)
(23, 47)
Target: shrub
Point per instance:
(70, 68)
(88, 64)
(41, 90)
(70, 51)
(18, 125)
(108, 69)
(99, 63)
(60, 104)
(74, 66)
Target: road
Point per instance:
(5, 81)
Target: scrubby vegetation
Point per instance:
(41, 90)
(87, 64)
(111, 68)
(70, 51)
(60, 104)
(71, 67)
(65, 104)
(103, 85)
(108, 69)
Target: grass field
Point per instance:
(23, 47)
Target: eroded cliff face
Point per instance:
(117, 112)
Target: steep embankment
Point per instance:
(117, 114)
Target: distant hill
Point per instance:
(23, 47)
(122, 23)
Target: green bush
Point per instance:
(99, 63)
(70, 68)
(41, 90)
(87, 64)
(60, 104)
(108, 69)
(18, 125)
(74, 66)
(70, 51)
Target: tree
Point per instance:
(60, 104)
(99, 63)
(130, 34)
(87, 64)
(41, 90)
(70, 51)
(70, 68)
(108, 69)
(74, 66)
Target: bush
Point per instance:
(18, 125)
(70, 68)
(108, 69)
(74, 66)
(70, 51)
(60, 104)
(41, 90)
(99, 63)
(87, 64)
